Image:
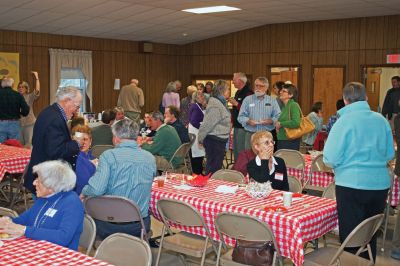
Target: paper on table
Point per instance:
(183, 187)
(226, 189)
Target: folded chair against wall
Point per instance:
(242, 227)
(359, 237)
(115, 209)
(229, 175)
(124, 250)
(178, 212)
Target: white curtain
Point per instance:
(60, 58)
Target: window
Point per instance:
(74, 77)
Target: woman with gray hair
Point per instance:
(214, 131)
(57, 214)
(170, 96)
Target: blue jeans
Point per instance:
(9, 130)
(105, 229)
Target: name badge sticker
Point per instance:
(279, 176)
(252, 105)
(50, 212)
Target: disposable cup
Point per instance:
(287, 199)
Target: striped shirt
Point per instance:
(126, 171)
(258, 110)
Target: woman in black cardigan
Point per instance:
(265, 167)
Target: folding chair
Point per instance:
(242, 227)
(88, 234)
(181, 152)
(294, 159)
(317, 166)
(178, 212)
(8, 212)
(385, 222)
(294, 184)
(115, 209)
(99, 149)
(229, 175)
(124, 250)
(359, 237)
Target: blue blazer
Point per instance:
(51, 141)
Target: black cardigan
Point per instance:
(261, 173)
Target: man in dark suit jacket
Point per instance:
(51, 138)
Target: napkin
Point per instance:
(226, 189)
(183, 187)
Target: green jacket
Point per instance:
(165, 143)
(295, 118)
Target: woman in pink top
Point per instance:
(170, 97)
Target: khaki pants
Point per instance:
(134, 116)
(161, 163)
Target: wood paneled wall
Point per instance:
(111, 59)
(349, 42)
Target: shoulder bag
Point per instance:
(306, 126)
(257, 253)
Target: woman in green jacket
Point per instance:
(289, 118)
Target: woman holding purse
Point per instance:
(290, 117)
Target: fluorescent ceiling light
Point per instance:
(211, 9)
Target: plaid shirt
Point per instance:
(12, 105)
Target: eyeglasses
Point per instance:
(284, 91)
(269, 142)
(77, 106)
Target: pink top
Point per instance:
(171, 98)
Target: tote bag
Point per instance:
(306, 126)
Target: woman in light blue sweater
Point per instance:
(57, 214)
(359, 146)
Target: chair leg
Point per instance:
(385, 226)
(204, 252)
(219, 253)
(160, 247)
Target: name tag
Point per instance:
(239, 99)
(279, 176)
(50, 212)
(252, 105)
(267, 104)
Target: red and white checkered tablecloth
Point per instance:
(307, 219)
(28, 252)
(321, 179)
(13, 159)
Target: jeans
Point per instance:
(105, 229)
(9, 129)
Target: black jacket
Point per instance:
(261, 173)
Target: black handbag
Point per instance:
(257, 253)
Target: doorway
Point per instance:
(328, 82)
(285, 73)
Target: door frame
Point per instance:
(299, 75)
(374, 65)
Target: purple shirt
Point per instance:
(196, 115)
(170, 98)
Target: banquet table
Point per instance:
(308, 218)
(13, 159)
(322, 179)
(25, 251)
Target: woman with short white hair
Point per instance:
(57, 214)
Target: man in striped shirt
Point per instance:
(126, 171)
(259, 111)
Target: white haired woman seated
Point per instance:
(57, 214)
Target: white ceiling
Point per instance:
(162, 21)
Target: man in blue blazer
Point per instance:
(51, 138)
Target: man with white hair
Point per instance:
(51, 138)
(131, 98)
(12, 106)
(126, 171)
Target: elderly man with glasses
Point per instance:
(51, 138)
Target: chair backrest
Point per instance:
(292, 158)
(114, 209)
(360, 237)
(318, 165)
(330, 191)
(88, 234)
(229, 175)
(99, 149)
(181, 152)
(123, 249)
(294, 184)
(8, 212)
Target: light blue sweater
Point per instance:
(359, 146)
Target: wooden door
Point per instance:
(327, 88)
(372, 84)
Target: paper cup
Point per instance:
(287, 199)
